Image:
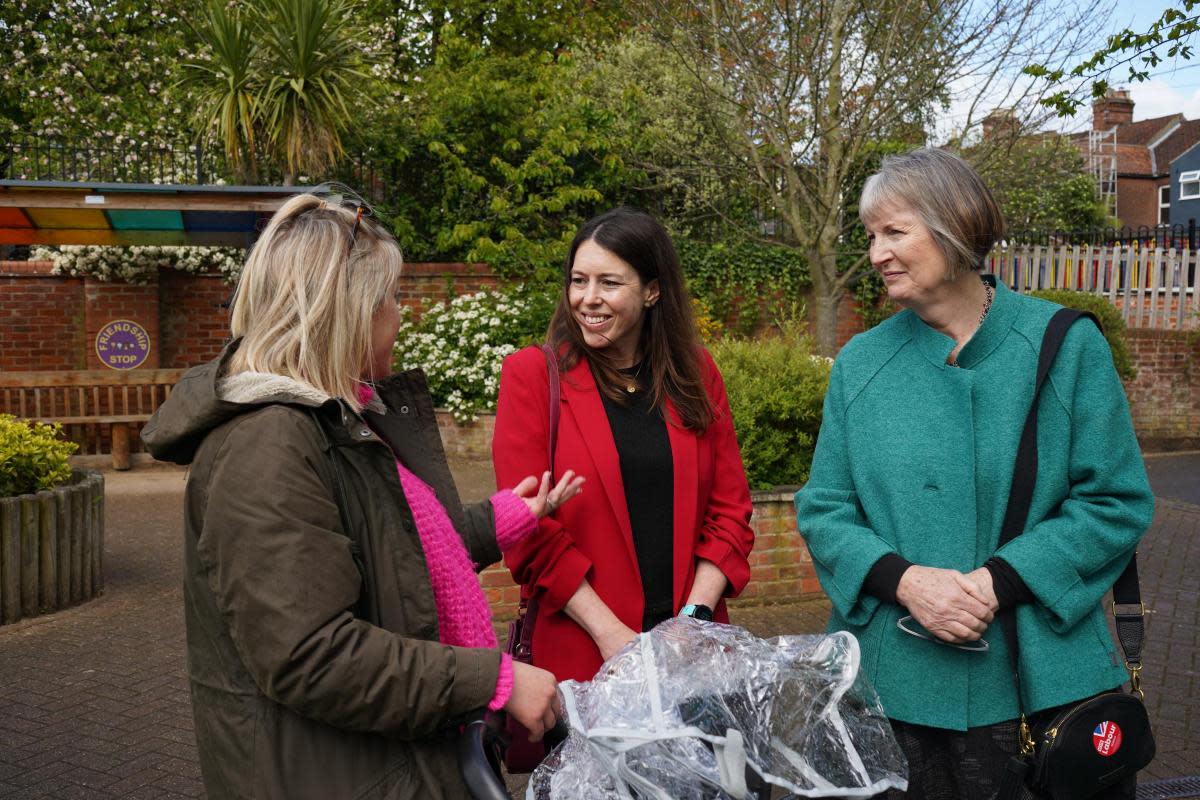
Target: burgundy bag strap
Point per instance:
(555, 399)
(527, 609)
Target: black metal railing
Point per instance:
(127, 160)
(110, 160)
(1165, 236)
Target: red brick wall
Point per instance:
(1137, 201)
(106, 302)
(425, 284)
(781, 569)
(51, 321)
(41, 319)
(1165, 395)
(195, 326)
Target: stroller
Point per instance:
(703, 711)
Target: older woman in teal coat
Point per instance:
(904, 505)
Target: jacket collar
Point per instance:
(581, 398)
(936, 347)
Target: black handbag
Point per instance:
(1102, 740)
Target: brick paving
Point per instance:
(94, 703)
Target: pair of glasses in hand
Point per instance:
(977, 646)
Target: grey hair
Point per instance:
(949, 196)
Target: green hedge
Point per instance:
(1110, 319)
(32, 457)
(776, 390)
(731, 278)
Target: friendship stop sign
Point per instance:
(122, 344)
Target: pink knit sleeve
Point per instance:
(514, 520)
(504, 684)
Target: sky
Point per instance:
(1173, 86)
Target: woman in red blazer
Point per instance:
(663, 525)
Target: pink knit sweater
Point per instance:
(464, 618)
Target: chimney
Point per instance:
(1113, 111)
(1000, 122)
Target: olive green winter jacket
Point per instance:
(313, 656)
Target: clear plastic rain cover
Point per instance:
(702, 711)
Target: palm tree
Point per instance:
(223, 85)
(313, 52)
(280, 75)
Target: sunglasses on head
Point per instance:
(340, 196)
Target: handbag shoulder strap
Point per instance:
(1020, 496)
(555, 400)
(1130, 627)
(527, 607)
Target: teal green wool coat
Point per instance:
(915, 457)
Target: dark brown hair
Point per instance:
(669, 344)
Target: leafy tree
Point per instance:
(1042, 183)
(286, 72)
(808, 87)
(224, 85)
(1139, 50)
(498, 147)
(674, 148)
(92, 68)
(312, 58)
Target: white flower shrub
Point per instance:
(460, 344)
(137, 264)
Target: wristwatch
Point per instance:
(697, 611)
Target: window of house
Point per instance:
(1164, 204)
(1189, 185)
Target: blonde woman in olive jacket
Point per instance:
(316, 633)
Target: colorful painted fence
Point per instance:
(1153, 287)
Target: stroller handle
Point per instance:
(478, 759)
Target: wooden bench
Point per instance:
(89, 403)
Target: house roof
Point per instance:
(1146, 148)
(1144, 131)
(1133, 159)
(1175, 145)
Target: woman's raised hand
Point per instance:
(543, 500)
(946, 602)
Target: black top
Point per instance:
(647, 473)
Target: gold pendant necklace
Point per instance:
(632, 386)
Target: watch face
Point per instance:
(698, 611)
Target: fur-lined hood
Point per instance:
(206, 397)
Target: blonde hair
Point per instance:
(308, 293)
(952, 200)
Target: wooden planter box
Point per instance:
(52, 547)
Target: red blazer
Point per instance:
(590, 536)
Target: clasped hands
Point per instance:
(955, 607)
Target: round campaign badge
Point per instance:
(1107, 738)
(122, 344)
